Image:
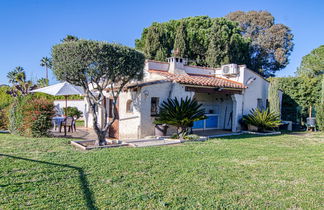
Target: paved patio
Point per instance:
(80, 133)
(89, 134)
(213, 133)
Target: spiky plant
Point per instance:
(263, 119)
(181, 114)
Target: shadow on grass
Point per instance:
(87, 194)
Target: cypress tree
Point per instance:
(180, 40)
(274, 101)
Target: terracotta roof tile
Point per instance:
(199, 80)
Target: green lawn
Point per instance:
(79, 123)
(275, 172)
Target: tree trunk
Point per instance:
(182, 132)
(46, 72)
(101, 140)
(310, 111)
(101, 133)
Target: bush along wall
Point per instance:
(38, 114)
(320, 109)
(299, 94)
(30, 116)
(5, 101)
(16, 114)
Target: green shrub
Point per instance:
(5, 98)
(320, 117)
(73, 111)
(30, 116)
(263, 119)
(191, 137)
(4, 120)
(299, 94)
(320, 109)
(38, 115)
(180, 113)
(5, 101)
(16, 114)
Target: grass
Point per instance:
(235, 172)
(79, 123)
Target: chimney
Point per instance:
(177, 65)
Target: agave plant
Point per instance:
(263, 119)
(181, 114)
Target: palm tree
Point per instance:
(47, 63)
(21, 86)
(181, 114)
(263, 119)
(42, 82)
(16, 75)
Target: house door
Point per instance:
(114, 129)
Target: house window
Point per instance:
(260, 104)
(129, 106)
(154, 106)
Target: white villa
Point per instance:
(226, 93)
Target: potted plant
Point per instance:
(161, 129)
(181, 114)
(261, 120)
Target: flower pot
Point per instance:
(252, 128)
(161, 130)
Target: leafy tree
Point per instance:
(70, 38)
(191, 37)
(47, 63)
(299, 94)
(180, 45)
(181, 114)
(98, 67)
(226, 44)
(271, 43)
(274, 100)
(312, 65)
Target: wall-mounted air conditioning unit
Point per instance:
(230, 70)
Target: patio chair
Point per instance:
(74, 122)
(68, 122)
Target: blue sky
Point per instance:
(30, 27)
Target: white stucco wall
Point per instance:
(129, 123)
(197, 70)
(162, 91)
(258, 89)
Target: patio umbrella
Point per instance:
(61, 89)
